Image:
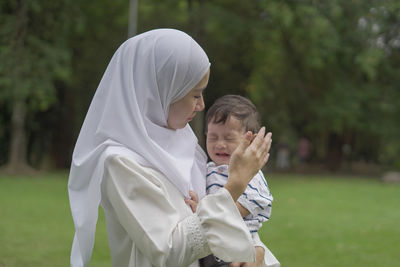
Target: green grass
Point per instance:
(36, 227)
(324, 221)
(334, 222)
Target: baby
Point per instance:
(227, 121)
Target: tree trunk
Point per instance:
(334, 154)
(17, 156)
(17, 160)
(133, 17)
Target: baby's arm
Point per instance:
(256, 200)
(243, 211)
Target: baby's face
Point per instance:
(223, 139)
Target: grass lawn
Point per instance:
(325, 221)
(333, 221)
(36, 227)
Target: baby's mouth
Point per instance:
(222, 154)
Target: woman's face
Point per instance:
(185, 109)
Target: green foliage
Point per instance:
(323, 72)
(101, 28)
(34, 50)
(34, 55)
(163, 14)
(326, 70)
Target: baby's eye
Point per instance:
(197, 96)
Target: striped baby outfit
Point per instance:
(257, 198)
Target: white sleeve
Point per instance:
(147, 208)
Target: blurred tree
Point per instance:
(328, 71)
(133, 17)
(229, 41)
(100, 27)
(33, 54)
(321, 73)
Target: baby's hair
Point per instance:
(237, 106)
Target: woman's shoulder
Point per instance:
(130, 163)
(118, 160)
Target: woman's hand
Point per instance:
(244, 264)
(248, 158)
(258, 263)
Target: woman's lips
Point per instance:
(191, 118)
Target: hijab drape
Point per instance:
(128, 114)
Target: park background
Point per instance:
(327, 72)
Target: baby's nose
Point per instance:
(220, 144)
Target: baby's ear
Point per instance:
(254, 136)
(245, 142)
(249, 136)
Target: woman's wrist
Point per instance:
(260, 253)
(234, 188)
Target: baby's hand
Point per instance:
(192, 201)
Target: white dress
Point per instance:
(149, 224)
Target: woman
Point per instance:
(137, 156)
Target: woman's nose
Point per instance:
(200, 104)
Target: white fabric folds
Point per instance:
(151, 225)
(129, 112)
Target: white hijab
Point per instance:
(128, 115)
